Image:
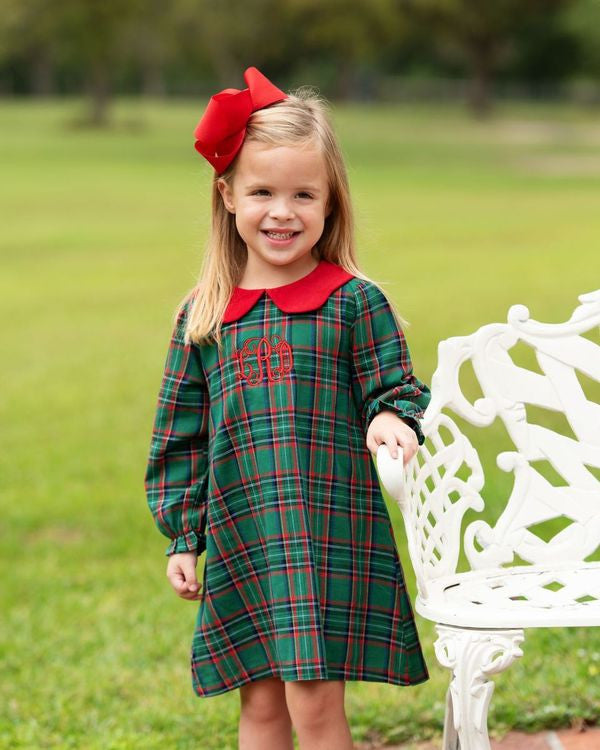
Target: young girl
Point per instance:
(287, 368)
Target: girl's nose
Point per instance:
(281, 209)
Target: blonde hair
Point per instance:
(299, 120)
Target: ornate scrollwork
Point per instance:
(474, 655)
(508, 389)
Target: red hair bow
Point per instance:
(221, 130)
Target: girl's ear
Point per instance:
(226, 195)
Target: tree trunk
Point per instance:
(99, 92)
(153, 81)
(223, 62)
(42, 72)
(345, 82)
(216, 45)
(479, 92)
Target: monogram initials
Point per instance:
(260, 357)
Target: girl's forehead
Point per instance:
(260, 161)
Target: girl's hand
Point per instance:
(181, 572)
(386, 427)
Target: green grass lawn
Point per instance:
(102, 235)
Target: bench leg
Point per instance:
(472, 655)
(451, 741)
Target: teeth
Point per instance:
(279, 236)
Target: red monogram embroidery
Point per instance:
(260, 356)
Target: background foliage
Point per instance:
(351, 49)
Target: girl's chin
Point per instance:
(279, 257)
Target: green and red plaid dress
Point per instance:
(258, 456)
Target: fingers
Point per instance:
(191, 596)
(393, 438)
(410, 451)
(191, 592)
(388, 439)
(188, 568)
(181, 572)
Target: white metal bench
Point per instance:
(514, 577)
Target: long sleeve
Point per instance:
(177, 470)
(382, 376)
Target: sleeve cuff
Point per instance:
(410, 415)
(189, 542)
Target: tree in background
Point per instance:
(81, 36)
(92, 35)
(349, 33)
(28, 31)
(480, 34)
(582, 20)
(92, 40)
(231, 35)
(149, 44)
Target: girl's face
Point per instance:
(279, 197)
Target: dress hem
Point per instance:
(337, 674)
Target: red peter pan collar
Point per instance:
(303, 295)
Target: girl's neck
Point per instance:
(268, 276)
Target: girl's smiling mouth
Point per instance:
(279, 238)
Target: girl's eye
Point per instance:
(262, 191)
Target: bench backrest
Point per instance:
(446, 477)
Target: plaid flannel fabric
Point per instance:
(258, 455)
